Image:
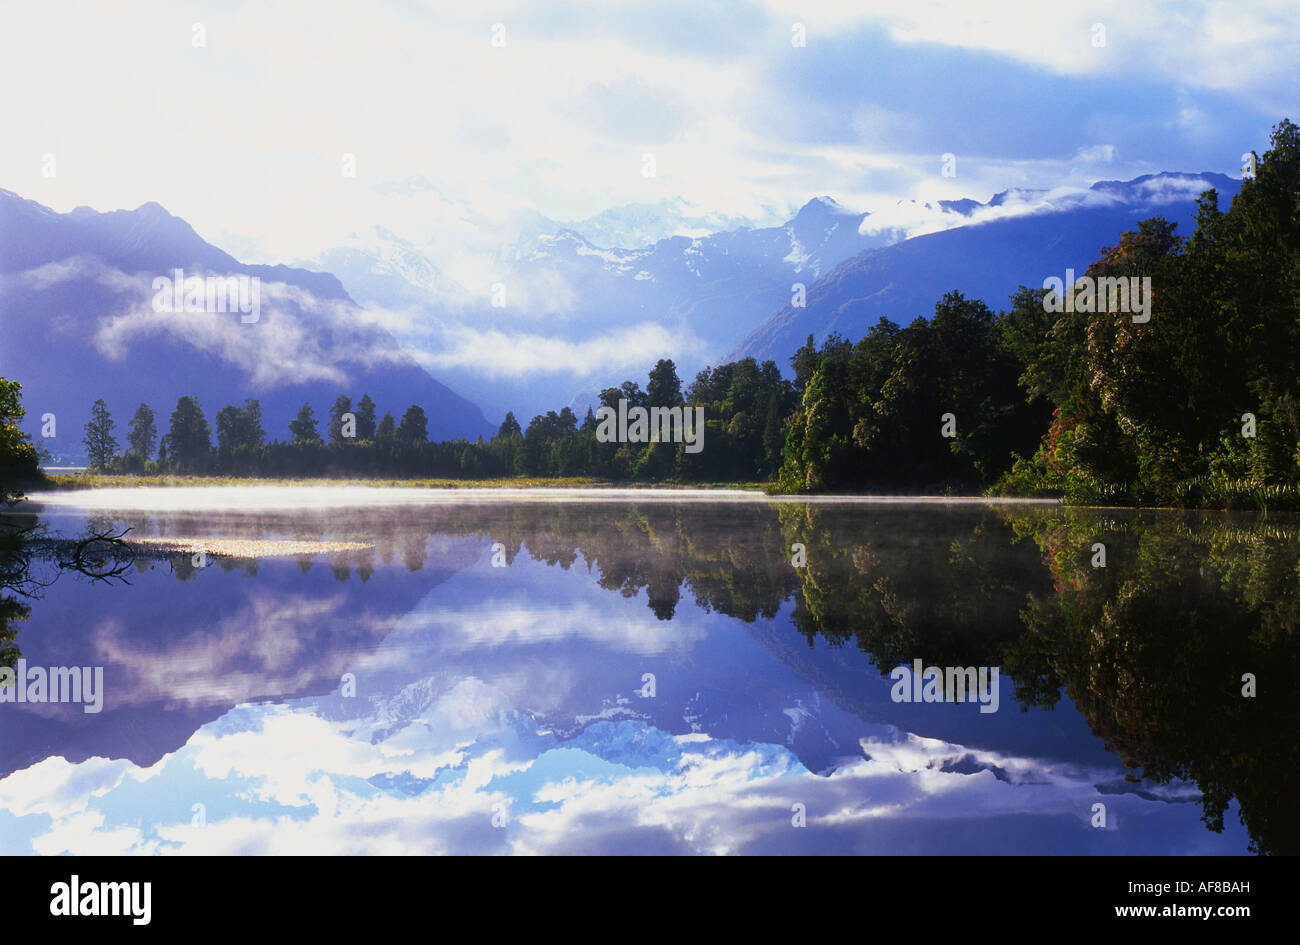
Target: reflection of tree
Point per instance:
(101, 556)
(15, 567)
(660, 548)
(31, 561)
(1153, 648)
(414, 549)
(904, 584)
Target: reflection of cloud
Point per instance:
(291, 782)
(59, 788)
(268, 648)
(510, 624)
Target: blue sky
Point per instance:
(236, 116)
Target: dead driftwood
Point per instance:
(101, 556)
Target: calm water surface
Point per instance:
(645, 673)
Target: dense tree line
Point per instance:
(931, 405)
(745, 408)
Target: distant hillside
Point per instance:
(77, 323)
(984, 260)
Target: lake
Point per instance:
(353, 670)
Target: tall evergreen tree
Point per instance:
(189, 437)
(509, 427)
(142, 435)
(365, 418)
(342, 405)
(303, 427)
(239, 429)
(415, 425)
(387, 430)
(101, 445)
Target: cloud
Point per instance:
(1239, 48)
(510, 624)
(1096, 154)
(59, 788)
(296, 338)
(496, 353)
(257, 121)
(906, 219)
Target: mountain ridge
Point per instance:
(77, 325)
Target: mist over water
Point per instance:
(257, 498)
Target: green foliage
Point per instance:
(18, 458)
(303, 428)
(1095, 407)
(365, 418)
(342, 405)
(414, 427)
(240, 437)
(876, 413)
(1156, 412)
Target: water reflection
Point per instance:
(505, 700)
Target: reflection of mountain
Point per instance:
(78, 323)
(181, 646)
(1151, 649)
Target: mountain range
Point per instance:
(709, 299)
(77, 324)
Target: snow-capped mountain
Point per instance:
(571, 315)
(639, 225)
